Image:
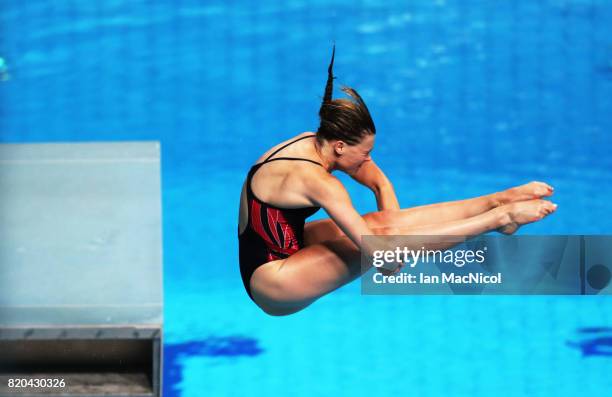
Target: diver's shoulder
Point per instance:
(269, 152)
(316, 177)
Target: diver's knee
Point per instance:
(381, 218)
(390, 231)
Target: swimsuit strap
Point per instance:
(291, 158)
(290, 143)
(268, 160)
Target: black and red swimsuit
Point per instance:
(272, 232)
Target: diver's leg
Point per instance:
(326, 229)
(286, 286)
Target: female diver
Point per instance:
(287, 264)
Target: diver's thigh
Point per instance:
(321, 230)
(306, 275)
(316, 232)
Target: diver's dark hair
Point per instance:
(347, 120)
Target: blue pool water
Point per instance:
(469, 97)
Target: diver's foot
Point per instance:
(528, 191)
(523, 212)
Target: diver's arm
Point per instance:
(386, 198)
(371, 176)
(327, 191)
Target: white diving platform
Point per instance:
(81, 269)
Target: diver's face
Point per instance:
(352, 157)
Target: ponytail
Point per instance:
(347, 120)
(330, 79)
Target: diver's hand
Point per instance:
(387, 272)
(378, 248)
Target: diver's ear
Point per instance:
(339, 147)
